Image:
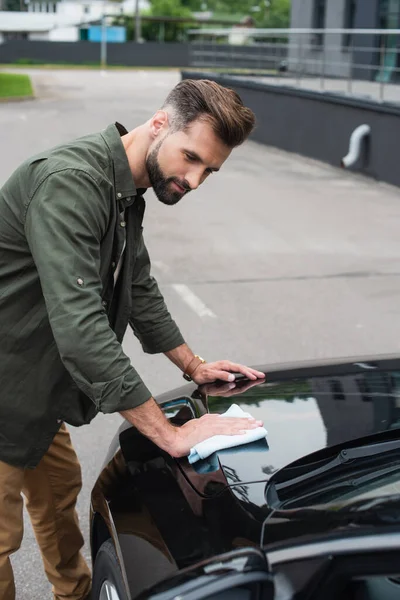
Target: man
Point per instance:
(74, 272)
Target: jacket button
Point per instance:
(79, 281)
(122, 223)
(119, 195)
(113, 264)
(104, 303)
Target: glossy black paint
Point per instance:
(166, 515)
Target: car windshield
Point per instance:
(370, 469)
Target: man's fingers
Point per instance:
(231, 428)
(197, 430)
(258, 374)
(251, 374)
(224, 376)
(217, 425)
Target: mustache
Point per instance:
(183, 184)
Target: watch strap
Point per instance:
(192, 366)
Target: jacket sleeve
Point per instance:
(64, 224)
(150, 319)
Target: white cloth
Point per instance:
(219, 442)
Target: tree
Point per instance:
(168, 32)
(273, 13)
(154, 31)
(14, 5)
(266, 13)
(193, 5)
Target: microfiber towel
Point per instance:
(213, 463)
(218, 442)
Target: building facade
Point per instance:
(63, 20)
(343, 55)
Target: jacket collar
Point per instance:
(125, 189)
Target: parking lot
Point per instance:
(276, 258)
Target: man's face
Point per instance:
(181, 161)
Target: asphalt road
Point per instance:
(276, 258)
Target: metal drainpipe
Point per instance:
(356, 138)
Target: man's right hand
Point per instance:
(198, 430)
(149, 419)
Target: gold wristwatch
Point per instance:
(192, 366)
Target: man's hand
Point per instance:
(149, 419)
(227, 390)
(223, 370)
(198, 430)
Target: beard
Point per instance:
(162, 187)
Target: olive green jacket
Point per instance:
(64, 217)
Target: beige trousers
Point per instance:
(51, 490)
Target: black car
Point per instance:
(313, 512)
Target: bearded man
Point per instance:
(74, 273)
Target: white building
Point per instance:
(60, 20)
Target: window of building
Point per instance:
(389, 18)
(337, 390)
(319, 19)
(349, 20)
(364, 390)
(389, 14)
(319, 14)
(15, 35)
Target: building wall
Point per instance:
(336, 60)
(301, 13)
(64, 34)
(39, 36)
(92, 9)
(367, 18)
(76, 10)
(301, 17)
(338, 57)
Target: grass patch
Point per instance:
(15, 85)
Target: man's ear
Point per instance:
(159, 123)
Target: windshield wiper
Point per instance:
(287, 478)
(344, 457)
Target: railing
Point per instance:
(361, 62)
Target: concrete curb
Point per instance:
(16, 98)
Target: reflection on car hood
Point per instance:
(305, 409)
(221, 504)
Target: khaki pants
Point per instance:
(51, 490)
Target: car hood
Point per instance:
(305, 408)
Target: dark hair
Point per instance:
(222, 107)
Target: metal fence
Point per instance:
(363, 62)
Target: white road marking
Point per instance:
(161, 266)
(193, 301)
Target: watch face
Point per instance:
(187, 377)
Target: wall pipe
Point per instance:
(356, 139)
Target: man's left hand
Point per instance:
(223, 370)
